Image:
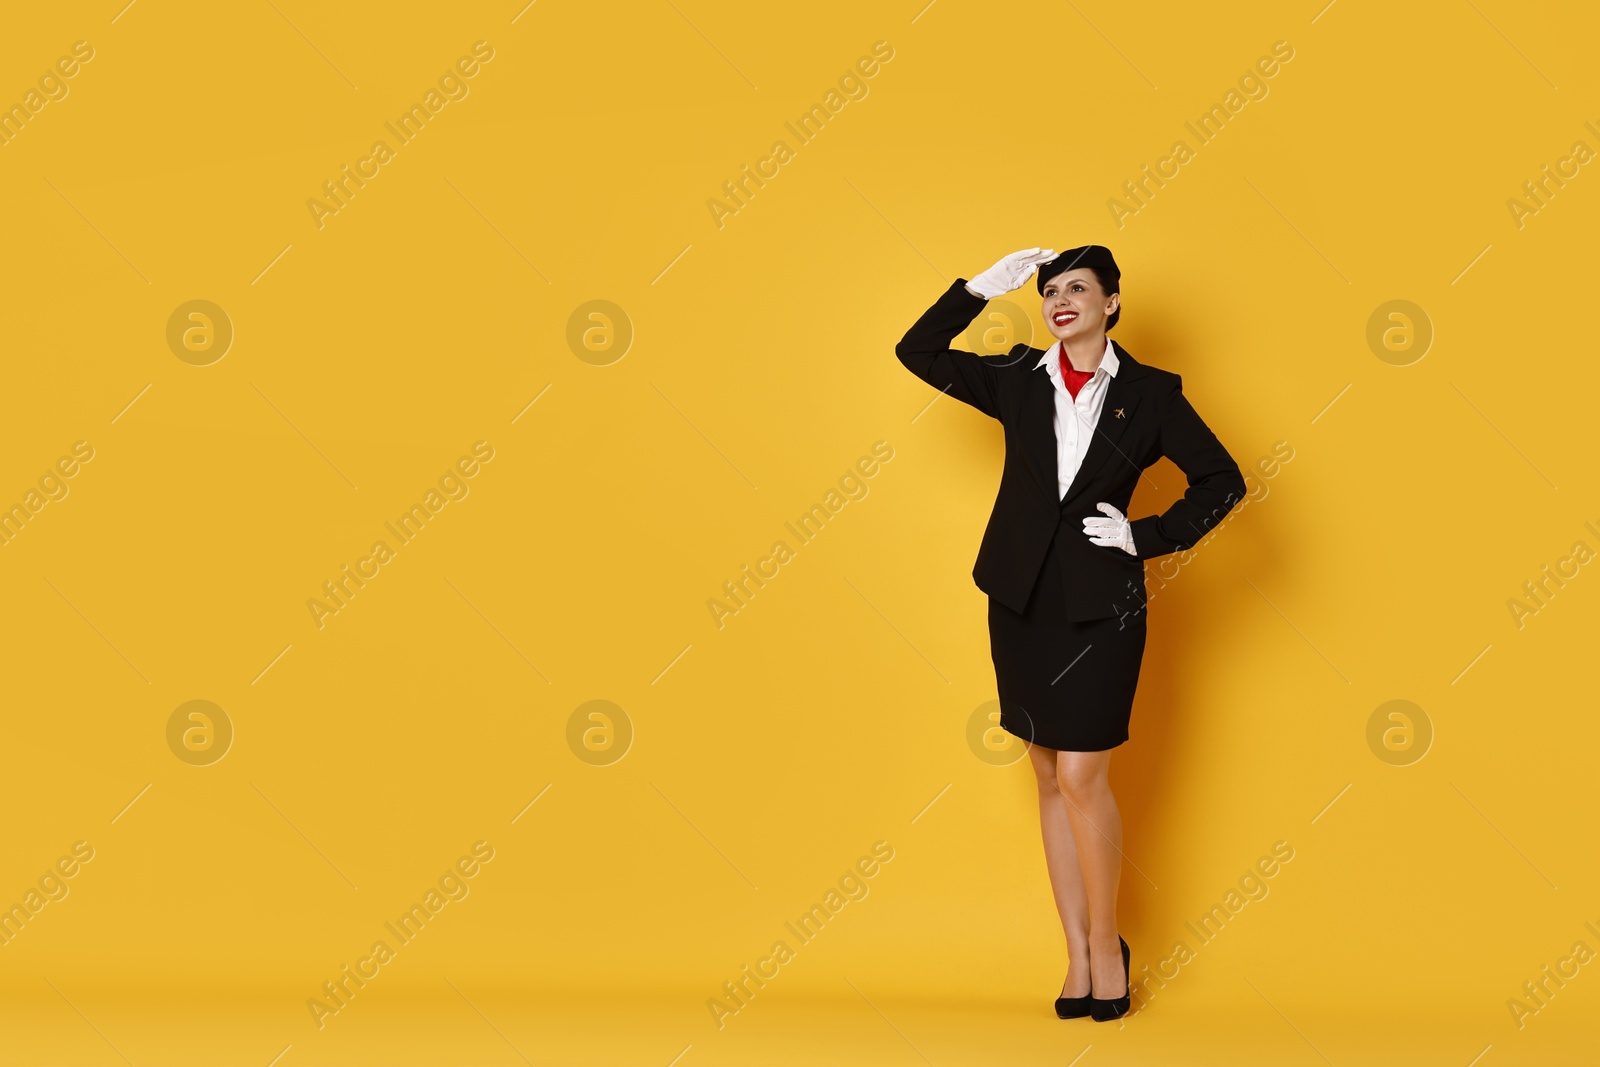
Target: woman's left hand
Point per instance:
(1113, 532)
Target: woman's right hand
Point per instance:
(1009, 273)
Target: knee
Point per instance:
(1080, 784)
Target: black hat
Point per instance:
(1096, 257)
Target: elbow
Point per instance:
(1234, 489)
(1226, 489)
(1226, 484)
(909, 355)
(1230, 496)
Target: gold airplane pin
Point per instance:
(1119, 413)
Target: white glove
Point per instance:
(1114, 532)
(1010, 272)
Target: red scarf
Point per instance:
(1073, 378)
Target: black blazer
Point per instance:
(1145, 417)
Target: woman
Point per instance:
(1063, 566)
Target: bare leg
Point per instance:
(1066, 873)
(1097, 829)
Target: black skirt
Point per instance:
(1063, 684)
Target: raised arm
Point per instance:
(925, 349)
(1215, 482)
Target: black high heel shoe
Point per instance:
(1104, 1011)
(1074, 1007)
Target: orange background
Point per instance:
(642, 458)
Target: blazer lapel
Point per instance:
(1121, 396)
(1039, 435)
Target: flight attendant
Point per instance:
(1063, 566)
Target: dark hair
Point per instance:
(1110, 279)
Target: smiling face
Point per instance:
(1075, 305)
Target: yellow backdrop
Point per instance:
(400, 399)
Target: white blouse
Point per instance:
(1076, 418)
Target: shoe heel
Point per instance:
(1103, 1011)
